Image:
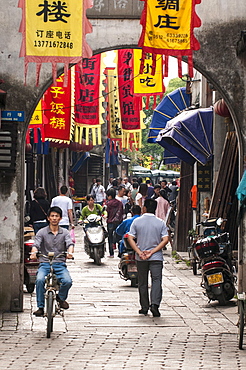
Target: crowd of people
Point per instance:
(122, 204)
(120, 197)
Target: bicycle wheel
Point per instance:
(240, 323)
(50, 302)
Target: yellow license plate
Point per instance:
(215, 278)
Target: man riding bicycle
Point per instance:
(52, 238)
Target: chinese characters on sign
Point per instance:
(114, 129)
(168, 29)
(130, 105)
(88, 99)
(54, 31)
(146, 83)
(87, 91)
(57, 104)
(204, 177)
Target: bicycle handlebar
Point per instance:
(51, 256)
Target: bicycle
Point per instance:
(242, 317)
(52, 306)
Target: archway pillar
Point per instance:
(12, 239)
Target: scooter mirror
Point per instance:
(220, 221)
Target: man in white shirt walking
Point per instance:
(66, 205)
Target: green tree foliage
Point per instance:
(174, 84)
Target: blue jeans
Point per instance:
(39, 225)
(62, 274)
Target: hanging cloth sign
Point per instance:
(36, 124)
(114, 118)
(57, 111)
(146, 84)
(168, 29)
(130, 106)
(54, 31)
(88, 101)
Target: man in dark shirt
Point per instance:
(157, 189)
(52, 238)
(150, 190)
(115, 217)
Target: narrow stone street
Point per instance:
(103, 330)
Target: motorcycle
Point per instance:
(94, 238)
(30, 266)
(214, 253)
(127, 264)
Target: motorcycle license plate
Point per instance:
(132, 268)
(32, 271)
(215, 278)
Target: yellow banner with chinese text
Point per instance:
(115, 127)
(54, 28)
(146, 83)
(168, 25)
(37, 117)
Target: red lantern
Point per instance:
(77, 147)
(28, 148)
(221, 109)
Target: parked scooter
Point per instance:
(127, 264)
(214, 253)
(30, 266)
(94, 238)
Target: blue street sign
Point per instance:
(12, 115)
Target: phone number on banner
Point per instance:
(53, 44)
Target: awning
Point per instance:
(137, 168)
(189, 136)
(169, 158)
(165, 173)
(78, 159)
(169, 107)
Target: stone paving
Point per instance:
(103, 330)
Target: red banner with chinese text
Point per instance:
(57, 111)
(88, 100)
(168, 29)
(54, 31)
(130, 105)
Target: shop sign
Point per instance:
(204, 177)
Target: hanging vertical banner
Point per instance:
(54, 31)
(168, 29)
(57, 111)
(130, 106)
(145, 83)
(114, 118)
(88, 101)
(36, 124)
